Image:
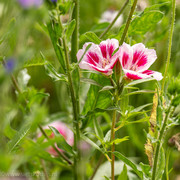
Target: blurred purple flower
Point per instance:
(53, 0)
(9, 65)
(30, 3)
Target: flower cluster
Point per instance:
(135, 60)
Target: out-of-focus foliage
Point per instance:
(25, 37)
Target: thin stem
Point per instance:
(113, 145)
(44, 170)
(167, 163)
(114, 20)
(170, 42)
(159, 142)
(74, 40)
(128, 22)
(75, 109)
(97, 166)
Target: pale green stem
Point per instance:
(44, 170)
(75, 110)
(114, 20)
(74, 40)
(159, 142)
(167, 163)
(170, 42)
(113, 145)
(128, 22)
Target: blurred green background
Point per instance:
(22, 38)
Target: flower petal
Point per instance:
(125, 55)
(157, 75)
(143, 57)
(108, 47)
(135, 75)
(92, 57)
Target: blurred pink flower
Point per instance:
(136, 60)
(64, 131)
(99, 57)
(30, 3)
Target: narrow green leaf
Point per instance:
(123, 175)
(140, 92)
(92, 143)
(61, 142)
(97, 128)
(138, 109)
(106, 178)
(50, 70)
(70, 29)
(139, 82)
(146, 169)
(54, 32)
(90, 81)
(107, 88)
(118, 141)
(90, 37)
(129, 163)
(35, 62)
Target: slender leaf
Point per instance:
(90, 37)
(50, 70)
(98, 129)
(61, 142)
(70, 29)
(129, 163)
(139, 82)
(123, 175)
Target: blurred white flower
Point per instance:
(109, 15)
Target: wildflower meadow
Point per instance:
(90, 89)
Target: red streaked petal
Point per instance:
(148, 72)
(133, 76)
(143, 57)
(93, 58)
(108, 47)
(125, 56)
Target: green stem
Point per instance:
(75, 40)
(75, 110)
(113, 145)
(97, 166)
(114, 20)
(159, 142)
(170, 42)
(128, 22)
(44, 170)
(167, 163)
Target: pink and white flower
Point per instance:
(135, 61)
(99, 57)
(64, 131)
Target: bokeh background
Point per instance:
(22, 38)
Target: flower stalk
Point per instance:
(170, 42)
(128, 22)
(114, 20)
(159, 143)
(75, 109)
